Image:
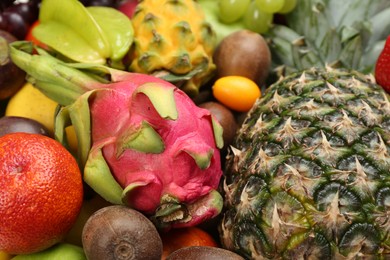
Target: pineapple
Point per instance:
(319, 33)
(308, 175)
(173, 41)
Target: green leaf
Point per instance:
(117, 27)
(67, 27)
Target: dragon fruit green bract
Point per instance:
(142, 141)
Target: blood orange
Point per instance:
(41, 192)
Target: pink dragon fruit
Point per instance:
(142, 141)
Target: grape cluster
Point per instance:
(16, 17)
(257, 15)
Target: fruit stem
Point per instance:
(58, 80)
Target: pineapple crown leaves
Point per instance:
(321, 33)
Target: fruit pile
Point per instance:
(236, 129)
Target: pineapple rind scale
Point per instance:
(308, 173)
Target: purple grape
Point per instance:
(14, 24)
(28, 11)
(13, 124)
(85, 2)
(109, 3)
(5, 4)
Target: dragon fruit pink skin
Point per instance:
(142, 141)
(173, 171)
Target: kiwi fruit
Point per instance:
(243, 53)
(119, 232)
(203, 252)
(225, 117)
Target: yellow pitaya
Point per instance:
(174, 40)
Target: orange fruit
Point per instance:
(236, 92)
(41, 192)
(185, 237)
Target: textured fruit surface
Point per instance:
(141, 140)
(332, 35)
(382, 68)
(41, 192)
(309, 174)
(173, 37)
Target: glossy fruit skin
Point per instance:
(128, 7)
(13, 124)
(270, 6)
(257, 20)
(382, 67)
(41, 192)
(12, 78)
(236, 92)
(288, 6)
(16, 18)
(185, 237)
(29, 102)
(232, 10)
(225, 117)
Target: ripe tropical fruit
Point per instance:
(142, 141)
(173, 38)
(309, 174)
(41, 192)
(236, 92)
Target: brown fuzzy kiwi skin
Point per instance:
(119, 232)
(203, 252)
(243, 53)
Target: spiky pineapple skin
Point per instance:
(308, 176)
(172, 36)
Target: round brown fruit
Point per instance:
(119, 232)
(225, 117)
(203, 252)
(243, 53)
